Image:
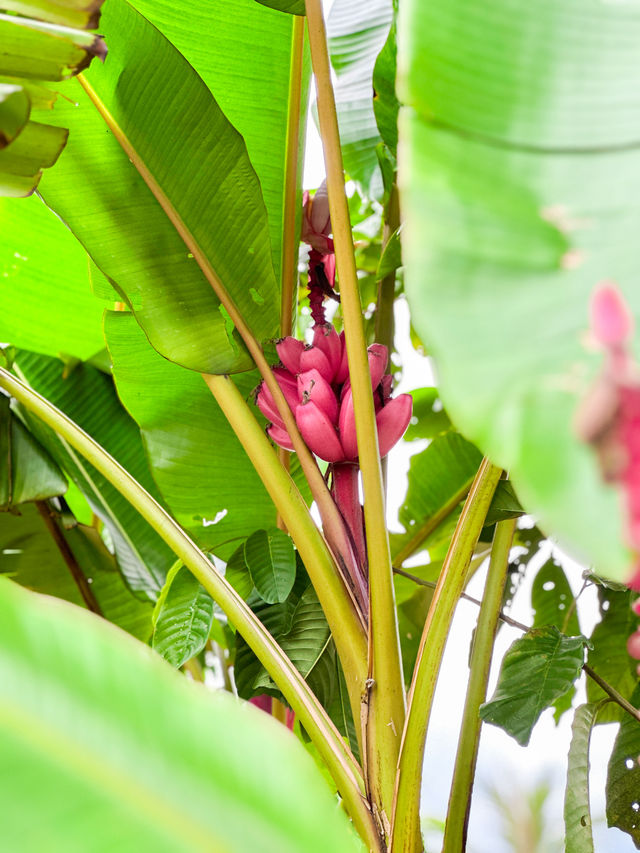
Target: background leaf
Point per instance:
(31, 558)
(88, 397)
(609, 656)
(182, 625)
(96, 726)
(357, 31)
(577, 809)
(537, 669)
(623, 777)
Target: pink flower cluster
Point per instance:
(314, 380)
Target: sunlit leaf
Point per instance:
(536, 670)
(215, 196)
(83, 14)
(15, 107)
(183, 621)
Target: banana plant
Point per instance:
(198, 414)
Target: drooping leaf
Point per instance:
(31, 558)
(623, 777)
(183, 621)
(47, 304)
(259, 108)
(198, 463)
(37, 147)
(533, 199)
(357, 31)
(83, 14)
(537, 669)
(15, 107)
(95, 726)
(270, 558)
(609, 656)
(215, 197)
(88, 397)
(27, 472)
(42, 51)
(577, 809)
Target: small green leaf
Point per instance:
(552, 599)
(392, 256)
(609, 655)
(536, 670)
(577, 810)
(429, 418)
(271, 559)
(623, 776)
(183, 621)
(385, 101)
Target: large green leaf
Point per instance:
(31, 558)
(520, 191)
(295, 7)
(182, 620)
(577, 809)
(536, 670)
(98, 732)
(253, 90)
(146, 85)
(88, 397)
(623, 777)
(27, 472)
(357, 31)
(270, 558)
(47, 302)
(609, 655)
(196, 459)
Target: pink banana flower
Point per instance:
(314, 380)
(609, 416)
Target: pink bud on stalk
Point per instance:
(316, 220)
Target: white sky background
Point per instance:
(502, 763)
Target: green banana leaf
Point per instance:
(47, 302)
(83, 14)
(100, 736)
(520, 188)
(200, 164)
